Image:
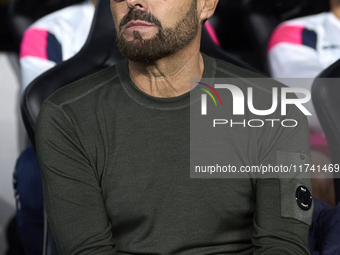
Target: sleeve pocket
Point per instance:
(290, 186)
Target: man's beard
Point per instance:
(165, 43)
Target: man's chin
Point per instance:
(138, 42)
(144, 34)
(139, 53)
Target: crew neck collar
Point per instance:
(160, 103)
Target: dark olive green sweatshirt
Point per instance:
(115, 169)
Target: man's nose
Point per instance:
(137, 4)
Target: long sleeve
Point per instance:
(280, 224)
(39, 51)
(72, 193)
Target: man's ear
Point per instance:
(207, 8)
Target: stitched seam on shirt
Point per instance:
(88, 92)
(52, 212)
(155, 107)
(68, 119)
(60, 110)
(106, 147)
(215, 68)
(160, 108)
(42, 172)
(254, 84)
(149, 106)
(246, 80)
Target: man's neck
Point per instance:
(336, 12)
(170, 76)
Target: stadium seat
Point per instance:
(209, 47)
(261, 17)
(98, 52)
(227, 22)
(325, 94)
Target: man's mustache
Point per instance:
(137, 14)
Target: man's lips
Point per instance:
(139, 24)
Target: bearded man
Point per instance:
(114, 149)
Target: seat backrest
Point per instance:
(98, 52)
(325, 92)
(210, 48)
(22, 13)
(227, 22)
(261, 17)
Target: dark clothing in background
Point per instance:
(324, 234)
(29, 201)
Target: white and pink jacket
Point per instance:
(54, 38)
(303, 47)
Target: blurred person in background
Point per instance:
(303, 48)
(49, 41)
